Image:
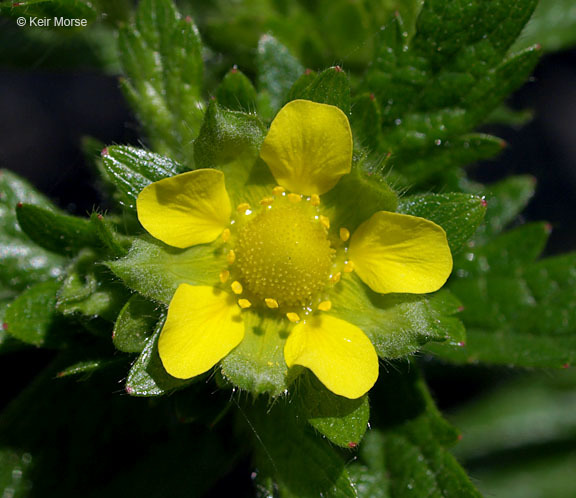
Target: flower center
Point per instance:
(283, 253)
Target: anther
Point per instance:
(325, 222)
(315, 199)
(293, 317)
(231, 257)
(336, 277)
(278, 191)
(226, 235)
(294, 198)
(243, 207)
(325, 306)
(348, 267)
(236, 287)
(271, 303)
(267, 201)
(244, 303)
(224, 276)
(344, 234)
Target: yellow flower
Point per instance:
(285, 256)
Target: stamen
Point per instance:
(348, 267)
(224, 276)
(325, 306)
(315, 199)
(278, 191)
(243, 207)
(325, 221)
(344, 234)
(293, 317)
(267, 201)
(271, 303)
(244, 303)
(294, 198)
(336, 278)
(226, 235)
(236, 287)
(231, 257)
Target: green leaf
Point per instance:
(162, 58)
(331, 86)
(436, 87)
(131, 169)
(343, 421)
(116, 244)
(30, 317)
(7, 342)
(517, 311)
(505, 200)
(15, 472)
(553, 25)
(366, 113)
(147, 377)
(407, 451)
(59, 233)
(21, 261)
(87, 290)
(257, 363)
(277, 71)
(292, 458)
(397, 324)
(155, 270)
(458, 214)
(236, 92)
(135, 324)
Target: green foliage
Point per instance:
(331, 87)
(135, 324)
(458, 214)
(343, 421)
(59, 233)
(30, 318)
(21, 261)
(162, 58)
(131, 169)
(236, 92)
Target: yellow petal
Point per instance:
(395, 252)
(203, 325)
(308, 147)
(185, 210)
(338, 353)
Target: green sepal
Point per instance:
(87, 367)
(331, 87)
(366, 114)
(458, 214)
(278, 69)
(116, 244)
(131, 169)
(162, 58)
(342, 201)
(148, 377)
(290, 458)
(397, 324)
(343, 421)
(301, 84)
(87, 290)
(8, 344)
(236, 92)
(31, 317)
(257, 363)
(21, 261)
(155, 270)
(135, 324)
(59, 233)
(407, 452)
